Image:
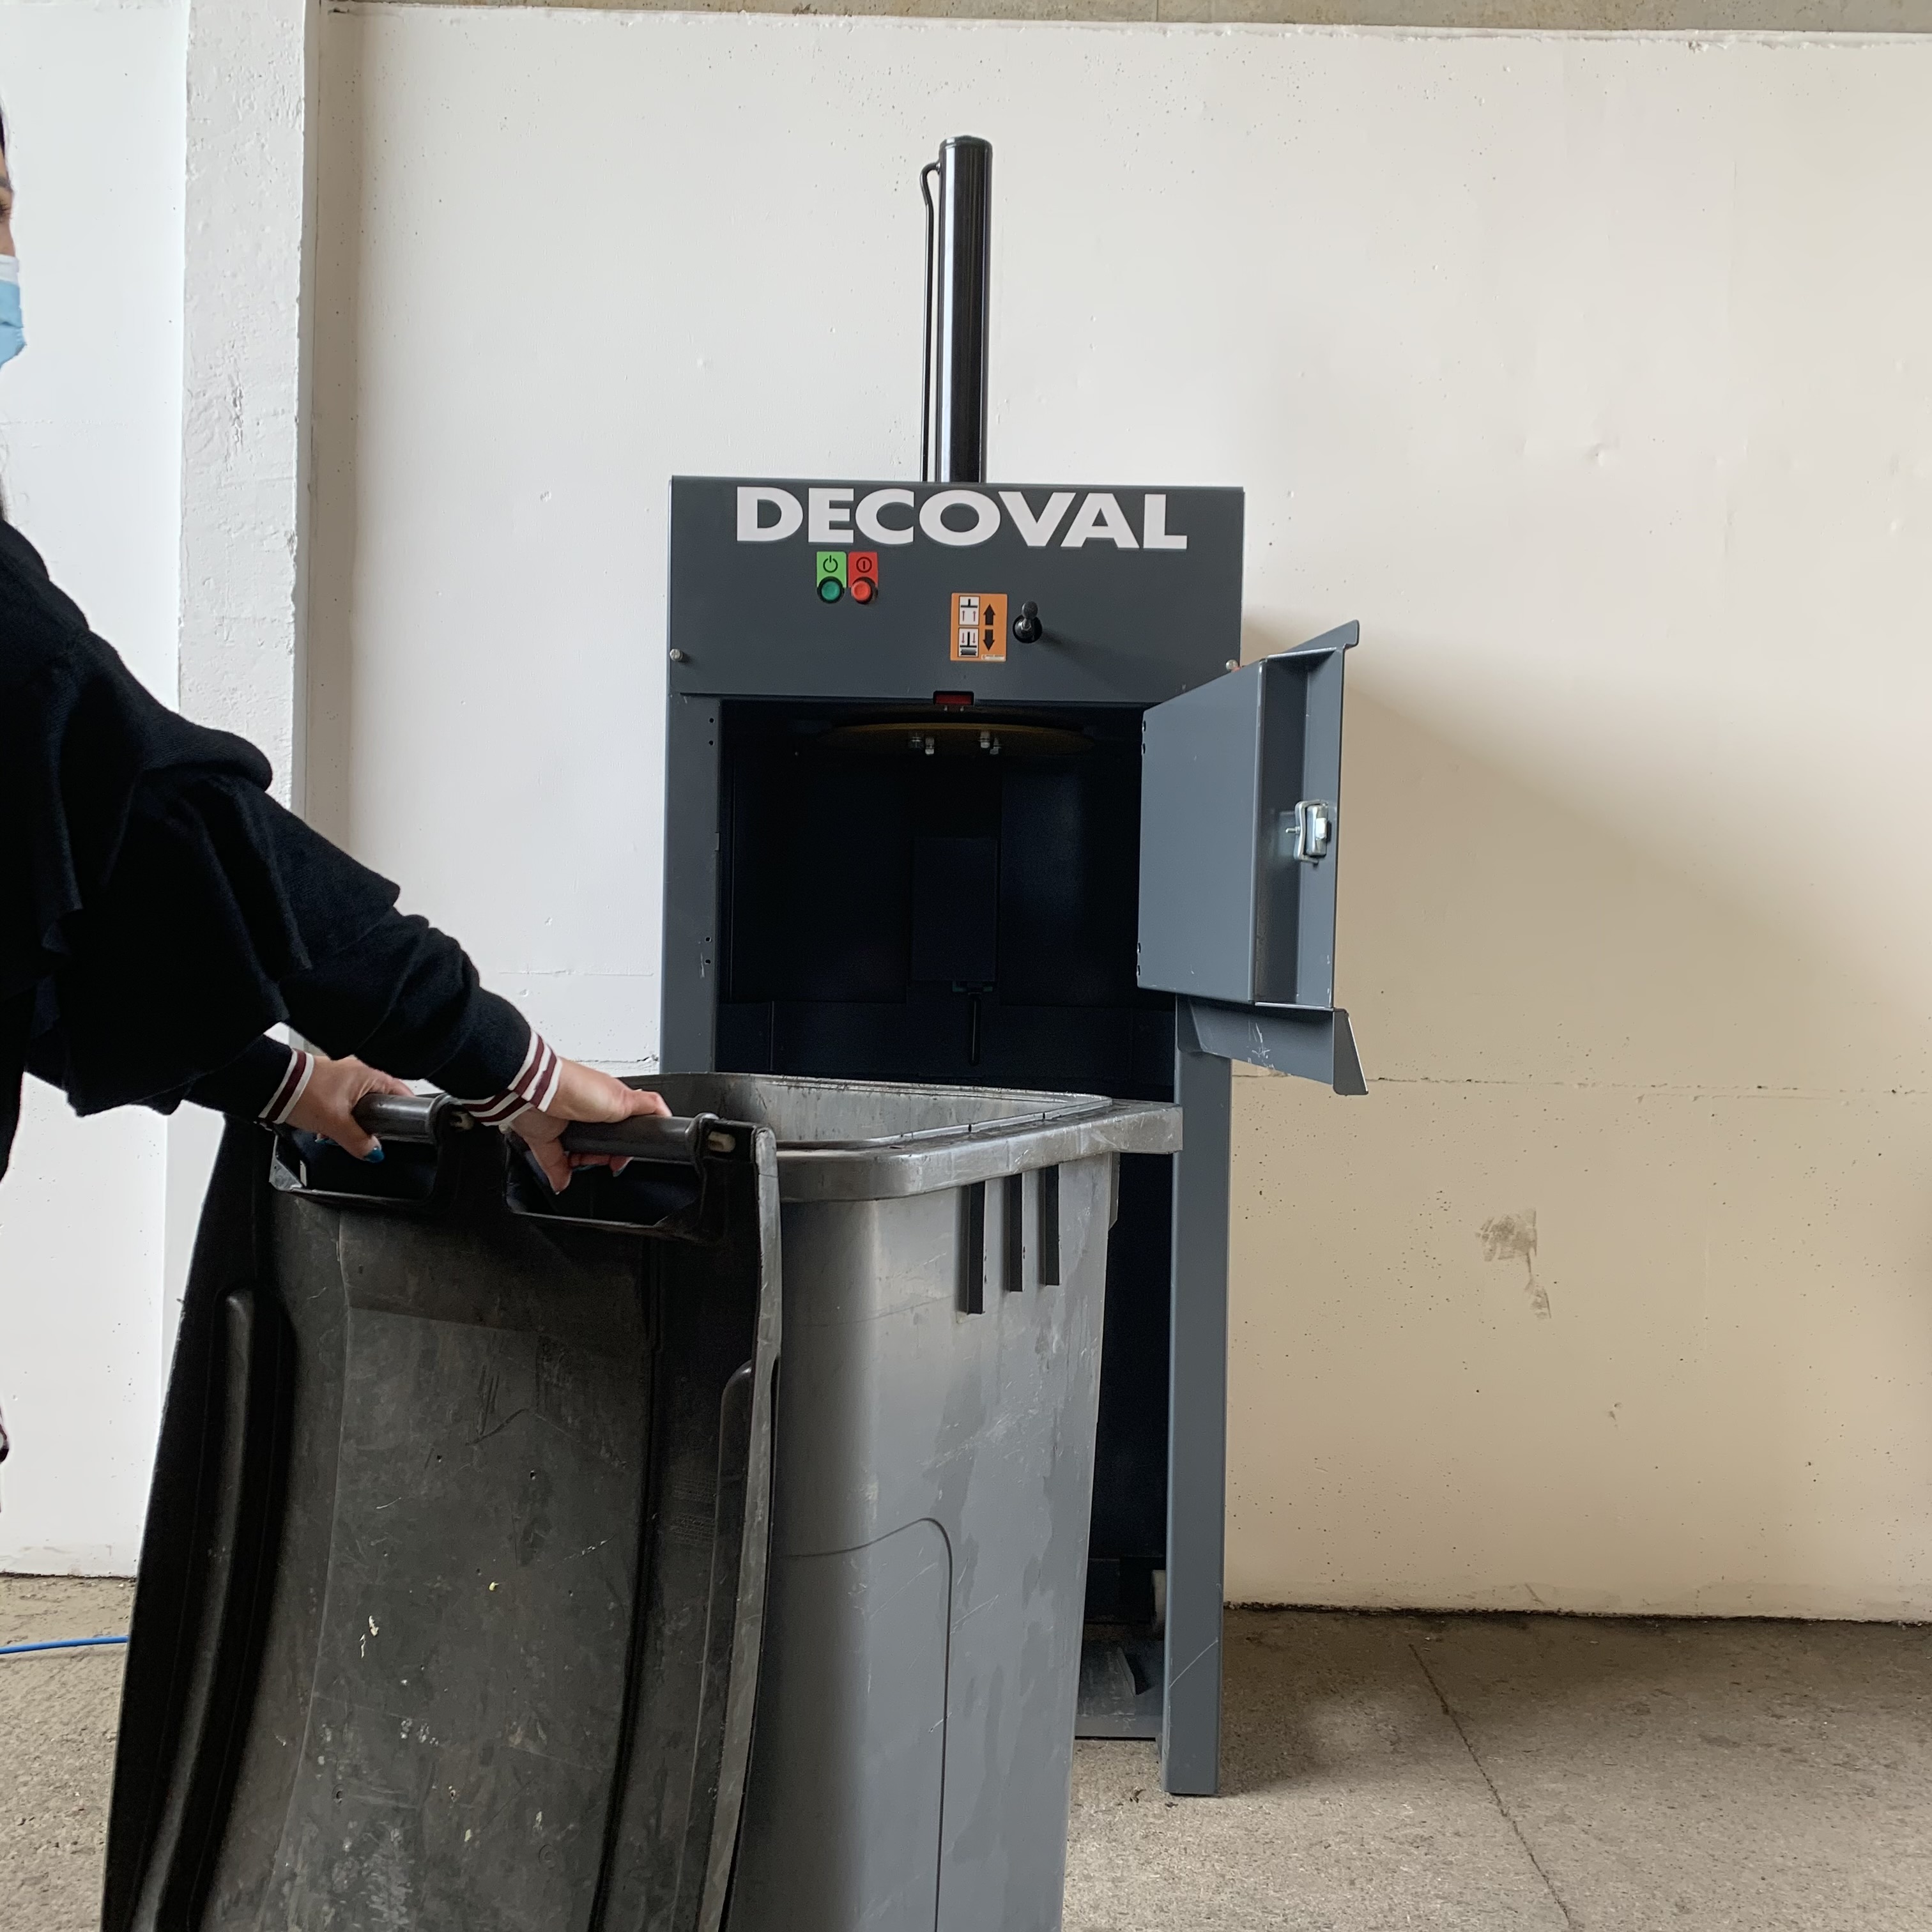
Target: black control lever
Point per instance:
(1027, 629)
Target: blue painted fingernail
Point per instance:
(375, 1153)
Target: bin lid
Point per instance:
(453, 1580)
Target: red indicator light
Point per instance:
(952, 700)
(863, 590)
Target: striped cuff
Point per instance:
(294, 1085)
(535, 1086)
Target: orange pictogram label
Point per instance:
(979, 627)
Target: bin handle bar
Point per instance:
(416, 1117)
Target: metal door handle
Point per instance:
(1308, 832)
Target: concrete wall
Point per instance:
(90, 457)
(1589, 374)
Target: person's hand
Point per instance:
(328, 1104)
(583, 1093)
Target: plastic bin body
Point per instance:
(913, 1754)
(448, 1611)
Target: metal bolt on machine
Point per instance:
(968, 786)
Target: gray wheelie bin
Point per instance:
(502, 1572)
(945, 1264)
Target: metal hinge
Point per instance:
(1308, 832)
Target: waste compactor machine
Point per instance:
(966, 783)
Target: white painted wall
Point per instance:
(248, 225)
(90, 460)
(1590, 374)
(244, 496)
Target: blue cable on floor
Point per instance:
(58, 1643)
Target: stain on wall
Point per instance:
(1512, 1238)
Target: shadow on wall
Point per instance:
(1616, 1294)
(335, 382)
(1490, 931)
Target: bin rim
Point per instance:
(1051, 1129)
(1078, 1106)
(1038, 1129)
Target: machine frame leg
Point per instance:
(1197, 1443)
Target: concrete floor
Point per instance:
(1498, 1773)
(58, 1714)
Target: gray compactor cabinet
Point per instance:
(965, 785)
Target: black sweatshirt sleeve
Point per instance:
(160, 913)
(269, 923)
(247, 1084)
(400, 995)
(405, 997)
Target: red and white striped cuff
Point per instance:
(535, 1086)
(294, 1084)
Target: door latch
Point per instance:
(1308, 832)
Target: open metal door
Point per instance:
(1240, 838)
(1240, 816)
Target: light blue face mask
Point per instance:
(13, 336)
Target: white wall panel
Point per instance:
(1590, 373)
